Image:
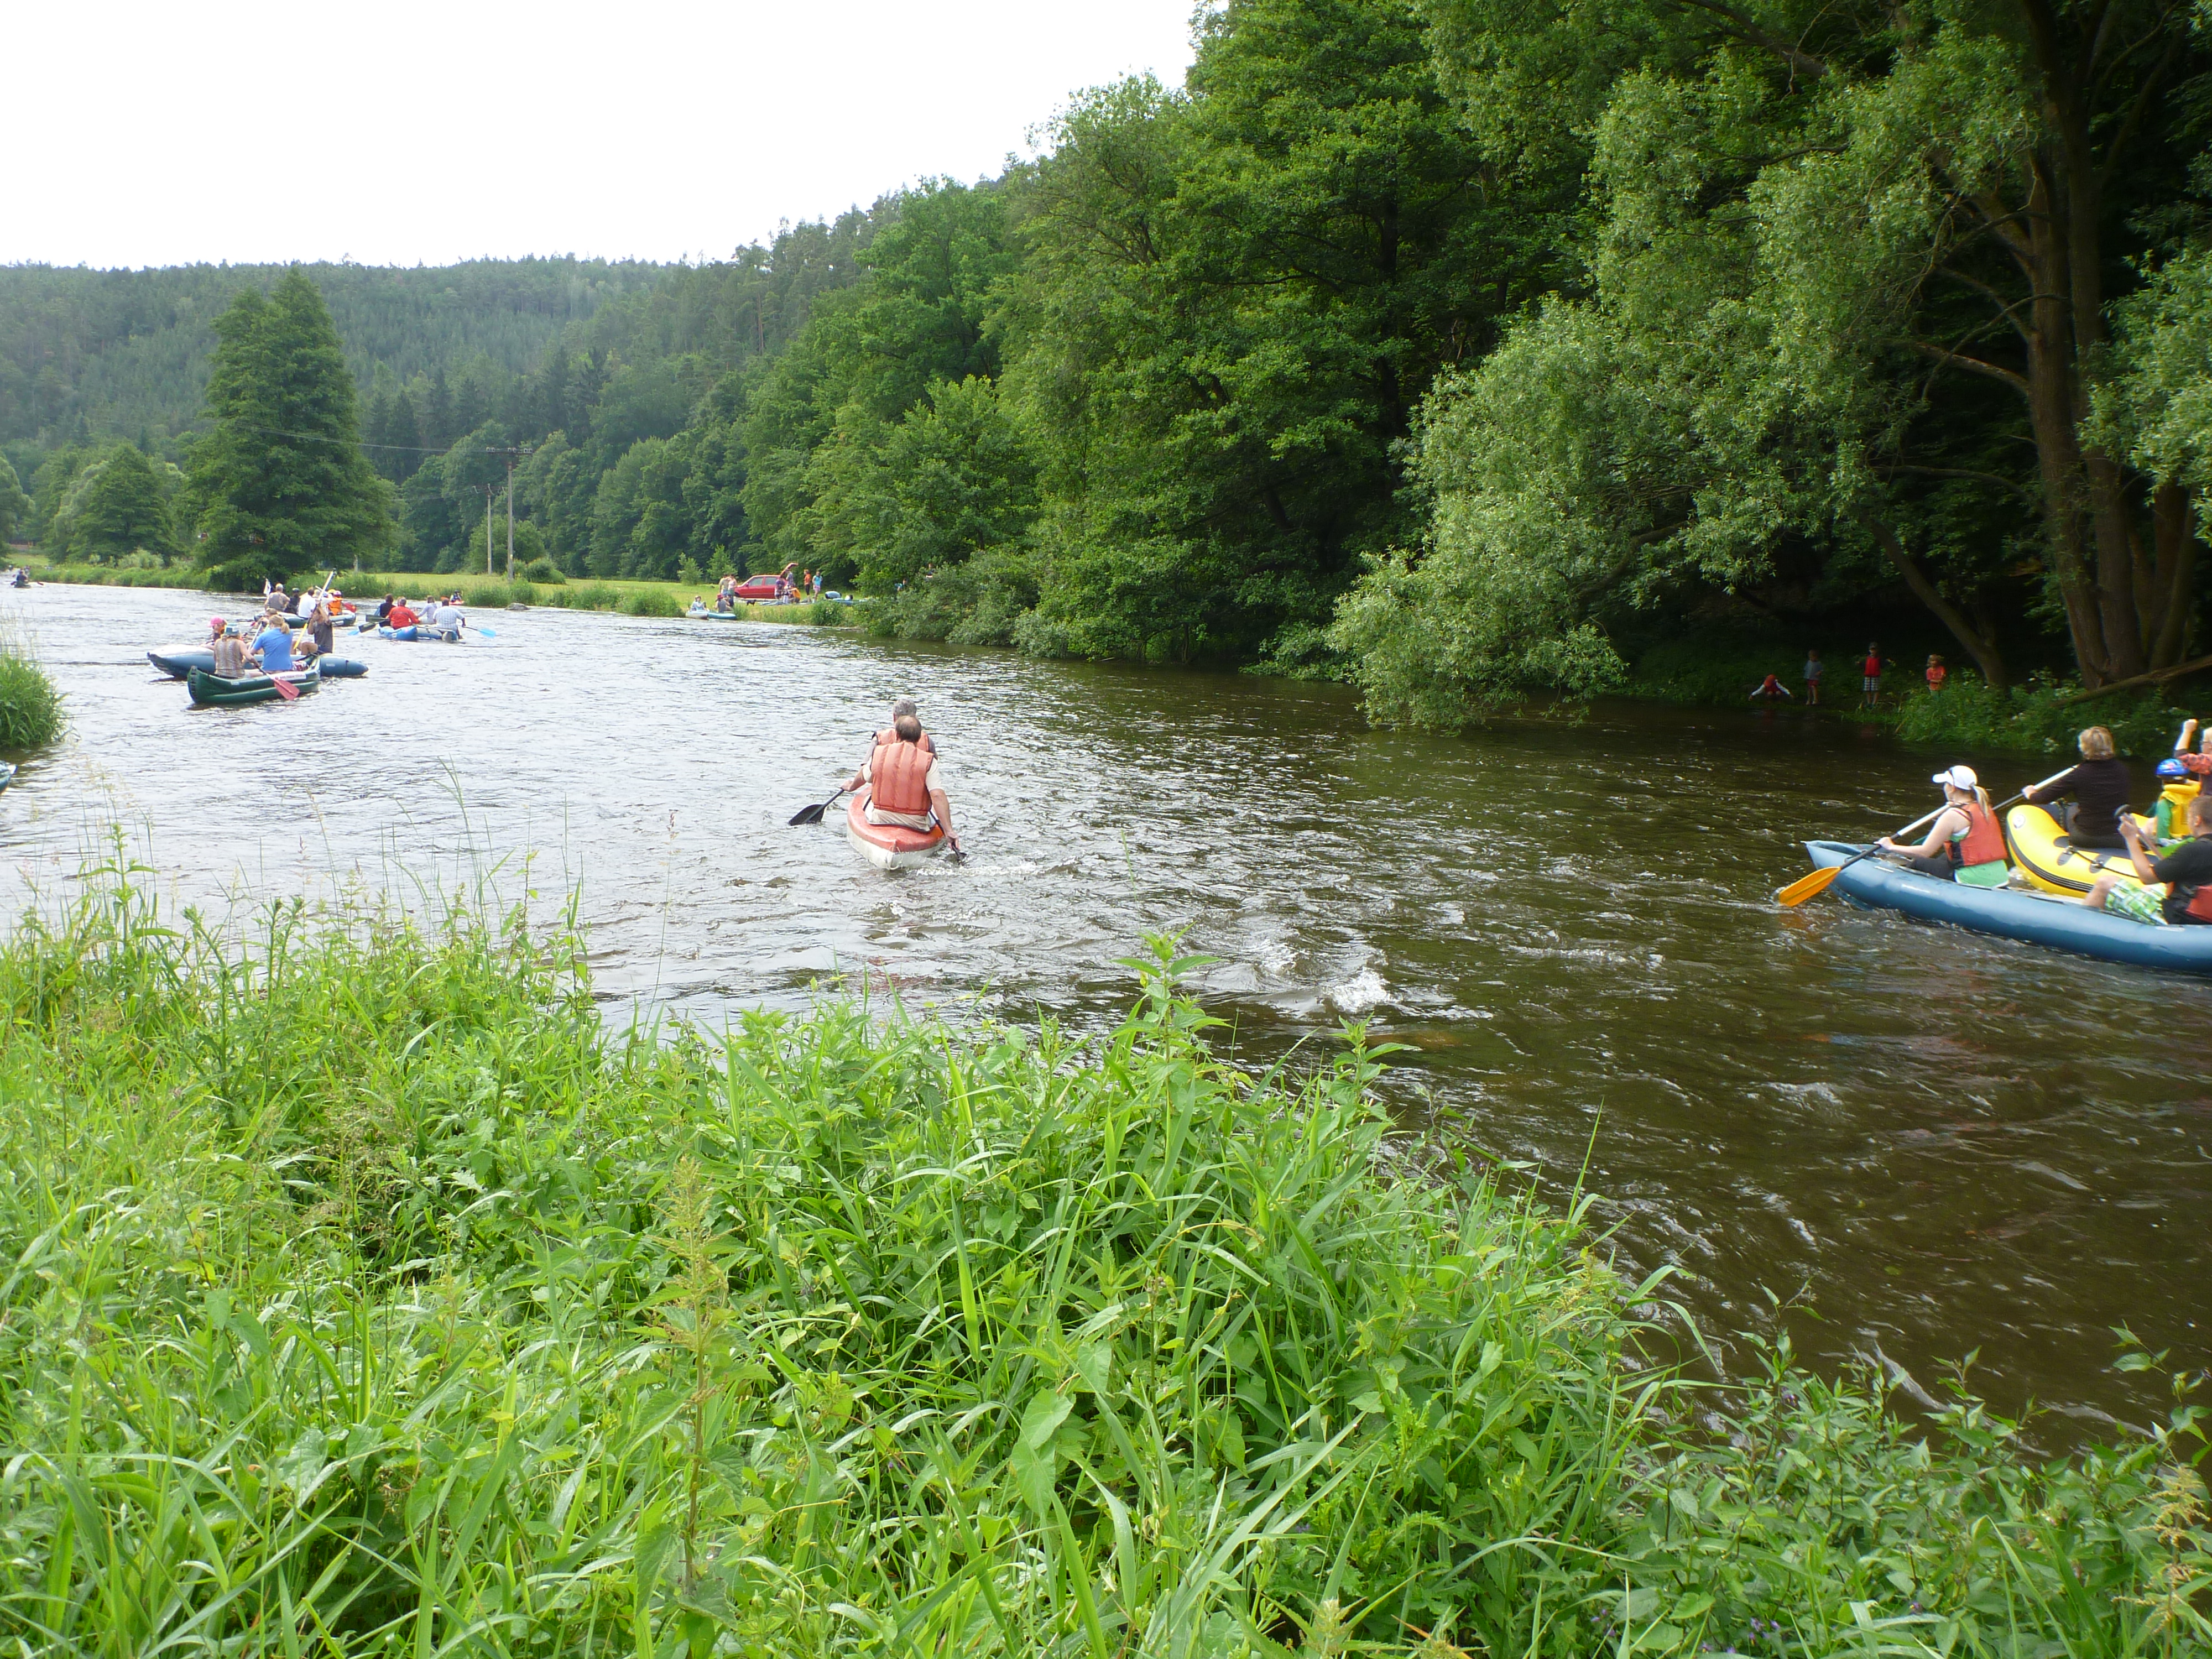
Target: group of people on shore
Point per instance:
(2091, 803)
(1873, 667)
(806, 584)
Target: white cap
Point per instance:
(1958, 777)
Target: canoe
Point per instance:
(406, 633)
(891, 846)
(2010, 913)
(181, 661)
(209, 691)
(178, 664)
(715, 615)
(2045, 856)
(6, 773)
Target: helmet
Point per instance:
(2171, 771)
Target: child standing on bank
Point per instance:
(1812, 679)
(1937, 673)
(1871, 678)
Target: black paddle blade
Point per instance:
(810, 814)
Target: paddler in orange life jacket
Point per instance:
(903, 708)
(901, 781)
(1965, 843)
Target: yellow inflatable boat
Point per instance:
(2039, 848)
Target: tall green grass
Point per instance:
(363, 1295)
(30, 707)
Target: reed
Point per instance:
(365, 1293)
(30, 713)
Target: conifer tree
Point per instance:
(281, 484)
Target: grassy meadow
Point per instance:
(366, 1294)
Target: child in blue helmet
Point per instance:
(2176, 788)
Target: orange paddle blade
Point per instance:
(285, 689)
(1810, 886)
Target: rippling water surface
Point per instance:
(1939, 1142)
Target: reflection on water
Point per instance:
(1942, 1141)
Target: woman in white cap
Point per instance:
(1964, 843)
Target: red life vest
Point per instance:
(1873, 666)
(886, 738)
(898, 778)
(1983, 842)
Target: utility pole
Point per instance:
(490, 494)
(511, 455)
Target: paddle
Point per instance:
(479, 628)
(814, 814)
(285, 689)
(1819, 881)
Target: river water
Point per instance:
(1927, 1141)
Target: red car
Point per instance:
(755, 589)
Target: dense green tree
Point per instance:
(281, 483)
(14, 505)
(1848, 267)
(1234, 299)
(118, 504)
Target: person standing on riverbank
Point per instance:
(1937, 673)
(1813, 679)
(1871, 678)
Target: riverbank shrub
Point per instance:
(30, 706)
(1969, 714)
(650, 602)
(109, 576)
(470, 1326)
(544, 572)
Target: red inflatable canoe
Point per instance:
(888, 846)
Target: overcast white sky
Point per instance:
(430, 131)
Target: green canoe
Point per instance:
(210, 691)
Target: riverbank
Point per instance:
(631, 598)
(1707, 668)
(368, 1288)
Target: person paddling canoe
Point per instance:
(1964, 844)
(900, 778)
(904, 709)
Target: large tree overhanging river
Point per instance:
(1940, 1142)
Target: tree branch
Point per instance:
(1748, 31)
(1971, 365)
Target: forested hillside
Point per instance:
(92, 354)
(1453, 346)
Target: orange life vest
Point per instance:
(898, 778)
(886, 738)
(1983, 842)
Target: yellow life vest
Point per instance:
(2172, 810)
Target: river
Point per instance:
(1927, 1142)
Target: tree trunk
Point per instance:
(1982, 646)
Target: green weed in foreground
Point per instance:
(365, 1296)
(30, 707)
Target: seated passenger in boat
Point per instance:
(2099, 786)
(904, 708)
(901, 781)
(1965, 843)
(229, 655)
(275, 644)
(402, 615)
(2176, 789)
(2187, 872)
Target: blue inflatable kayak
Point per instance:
(2010, 913)
(178, 664)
